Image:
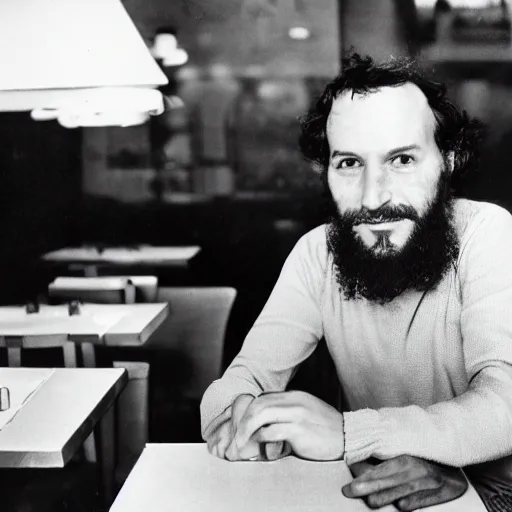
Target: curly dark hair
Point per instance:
(455, 130)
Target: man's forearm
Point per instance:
(471, 428)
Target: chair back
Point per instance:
(194, 332)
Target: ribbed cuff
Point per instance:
(363, 434)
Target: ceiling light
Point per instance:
(108, 106)
(59, 57)
(299, 33)
(166, 49)
(299, 24)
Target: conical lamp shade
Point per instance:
(53, 50)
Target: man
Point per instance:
(412, 291)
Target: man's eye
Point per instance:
(349, 163)
(402, 160)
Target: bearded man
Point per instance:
(412, 291)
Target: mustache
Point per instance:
(386, 213)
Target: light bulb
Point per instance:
(299, 33)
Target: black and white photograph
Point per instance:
(255, 255)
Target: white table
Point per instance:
(99, 324)
(108, 324)
(184, 477)
(90, 258)
(57, 418)
(105, 290)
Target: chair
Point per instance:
(194, 332)
(185, 356)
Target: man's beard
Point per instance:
(384, 271)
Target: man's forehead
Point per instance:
(402, 109)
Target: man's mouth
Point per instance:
(380, 220)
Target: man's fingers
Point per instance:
(454, 487)
(239, 407)
(364, 486)
(287, 449)
(388, 496)
(272, 433)
(273, 450)
(426, 498)
(273, 436)
(359, 488)
(400, 464)
(219, 441)
(272, 440)
(222, 446)
(259, 415)
(360, 468)
(231, 452)
(408, 482)
(251, 450)
(390, 473)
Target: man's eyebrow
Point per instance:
(394, 151)
(403, 149)
(336, 153)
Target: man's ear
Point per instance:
(450, 158)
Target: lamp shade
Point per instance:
(54, 50)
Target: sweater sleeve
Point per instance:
(477, 425)
(285, 334)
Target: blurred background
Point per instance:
(220, 168)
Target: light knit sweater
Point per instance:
(428, 374)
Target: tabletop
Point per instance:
(140, 255)
(57, 415)
(186, 477)
(109, 324)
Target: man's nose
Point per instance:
(376, 190)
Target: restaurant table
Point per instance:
(185, 477)
(89, 259)
(104, 290)
(54, 410)
(96, 324)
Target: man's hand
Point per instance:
(312, 428)
(219, 439)
(405, 481)
(222, 437)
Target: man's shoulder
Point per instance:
(470, 215)
(316, 235)
(312, 247)
(314, 240)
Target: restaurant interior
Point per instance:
(208, 168)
